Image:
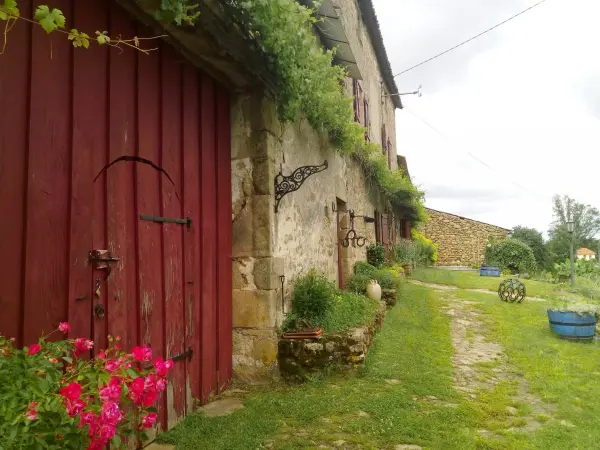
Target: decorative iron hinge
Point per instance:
(187, 221)
(286, 184)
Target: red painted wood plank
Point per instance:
(209, 237)
(149, 203)
(172, 233)
(121, 296)
(223, 215)
(48, 189)
(14, 91)
(191, 239)
(88, 137)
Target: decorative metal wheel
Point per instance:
(511, 291)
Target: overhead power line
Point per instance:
(469, 153)
(470, 39)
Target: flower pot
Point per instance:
(374, 290)
(304, 334)
(575, 326)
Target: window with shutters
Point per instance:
(357, 93)
(390, 153)
(384, 140)
(367, 123)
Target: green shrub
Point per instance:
(349, 310)
(376, 255)
(510, 254)
(364, 268)
(313, 297)
(419, 251)
(387, 279)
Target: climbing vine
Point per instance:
(53, 20)
(309, 84)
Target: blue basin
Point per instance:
(572, 326)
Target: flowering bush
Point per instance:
(52, 398)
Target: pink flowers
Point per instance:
(142, 353)
(82, 345)
(162, 367)
(111, 392)
(149, 420)
(72, 391)
(34, 349)
(64, 327)
(31, 412)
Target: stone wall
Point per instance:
(304, 233)
(301, 357)
(461, 241)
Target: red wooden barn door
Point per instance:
(98, 147)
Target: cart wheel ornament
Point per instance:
(511, 291)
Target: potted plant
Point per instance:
(574, 322)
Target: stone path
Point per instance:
(473, 352)
(445, 287)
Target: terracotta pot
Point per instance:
(374, 290)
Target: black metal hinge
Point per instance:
(187, 221)
(185, 355)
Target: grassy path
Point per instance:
(451, 369)
(383, 406)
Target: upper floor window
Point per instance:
(358, 95)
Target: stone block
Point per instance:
(254, 355)
(262, 225)
(242, 226)
(254, 309)
(263, 175)
(242, 273)
(267, 272)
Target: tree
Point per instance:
(587, 226)
(510, 254)
(534, 239)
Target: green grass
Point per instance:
(410, 360)
(413, 349)
(472, 280)
(562, 373)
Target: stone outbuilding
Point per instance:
(461, 241)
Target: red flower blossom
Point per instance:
(142, 353)
(149, 420)
(35, 348)
(72, 391)
(74, 407)
(64, 327)
(111, 414)
(82, 345)
(31, 412)
(162, 367)
(112, 391)
(161, 384)
(149, 398)
(101, 355)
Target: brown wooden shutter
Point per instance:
(385, 232)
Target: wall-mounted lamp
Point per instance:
(282, 279)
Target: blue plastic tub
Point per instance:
(572, 326)
(489, 271)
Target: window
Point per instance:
(357, 93)
(390, 153)
(383, 140)
(367, 123)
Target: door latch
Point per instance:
(102, 260)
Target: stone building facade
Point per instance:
(306, 230)
(461, 241)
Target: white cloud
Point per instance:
(524, 98)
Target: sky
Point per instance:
(524, 99)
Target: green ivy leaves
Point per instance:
(50, 20)
(102, 37)
(9, 9)
(79, 39)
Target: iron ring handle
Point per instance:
(361, 241)
(345, 243)
(351, 233)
